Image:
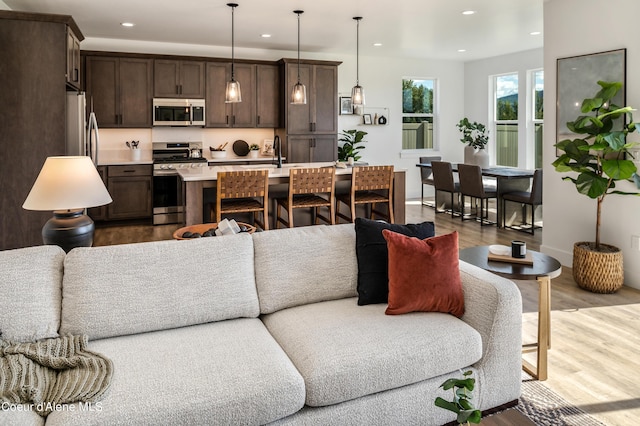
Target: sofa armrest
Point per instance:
(493, 306)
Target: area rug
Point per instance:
(545, 407)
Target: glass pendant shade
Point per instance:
(357, 95)
(299, 92)
(233, 93)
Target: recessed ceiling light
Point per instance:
(535, 33)
(127, 24)
(462, 50)
(469, 12)
(265, 35)
(377, 44)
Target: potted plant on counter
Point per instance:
(351, 145)
(599, 156)
(476, 136)
(254, 150)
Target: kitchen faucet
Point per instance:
(277, 146)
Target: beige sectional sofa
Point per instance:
(256, 329)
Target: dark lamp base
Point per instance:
(69, 229)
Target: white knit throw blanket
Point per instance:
(52, 372)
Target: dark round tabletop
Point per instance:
(542, 264)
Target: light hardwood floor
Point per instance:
(595, 354)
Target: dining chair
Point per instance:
(531, 198)
(312, 187)
(472, 185)
(426, 177)
(370, 185)
(245, 191)
(443, 182)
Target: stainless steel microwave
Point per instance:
(178, 112)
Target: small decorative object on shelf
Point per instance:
(367, 119)
(382, 120)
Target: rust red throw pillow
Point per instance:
(424, 275)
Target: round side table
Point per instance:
(544, 268)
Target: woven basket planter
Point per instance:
(599, 272)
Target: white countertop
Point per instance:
(123, 157)
(232, 158)
(211, 172)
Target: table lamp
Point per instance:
(67, 186)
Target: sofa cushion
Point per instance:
(344, 351)
(424, 275)
(371, 250)
(229, 372)
(30, 289)
(135, 288)
(304, 265)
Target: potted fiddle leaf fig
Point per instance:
(351, 145)
(476, 136)
(599, 155)
(461, 403)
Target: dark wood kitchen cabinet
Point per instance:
(73, 59)
(310, 130)
(100, 213)
(222, 114)
(311, 149)
(267, 96)
(178, 79)
(33, 87)
(120, 89)
(130, 189)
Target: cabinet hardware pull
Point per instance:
(75, 75)
(129, 171)
(177, 89)
(258, 120)
(234, 120)
(227, 120)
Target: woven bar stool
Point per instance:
(369, 185)
(245, 191)
(309, 188)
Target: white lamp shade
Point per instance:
(233, 93)
(67, 183)
(299, 94)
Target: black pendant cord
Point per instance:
(298, 12)
(233, 9)
(357, 50)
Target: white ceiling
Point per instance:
(413, 28)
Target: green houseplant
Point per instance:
(476, 136)
(352, 141)
(599, 156)
(461, 403)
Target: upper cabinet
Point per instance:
(267, 96)
(222, 114)
(178, 79)
(73, 59)
(320, 114)
(120, 89)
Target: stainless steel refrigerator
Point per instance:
(82, 131)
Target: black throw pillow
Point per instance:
(372, 254)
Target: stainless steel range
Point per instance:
(167, 189)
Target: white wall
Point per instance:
(478, 94)
(381, 77)
(576, 27)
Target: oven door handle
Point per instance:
(165, 173)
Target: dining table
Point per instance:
(508, 179)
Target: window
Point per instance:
(418, 96)
(537, 97)
(506, 119)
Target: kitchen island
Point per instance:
(198, 183)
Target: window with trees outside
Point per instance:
(506, 119)
(418, 97)
(537, 79)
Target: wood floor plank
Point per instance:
(595, 345)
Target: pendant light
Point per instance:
(233, 94)
(357, 93)
(299, 93)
